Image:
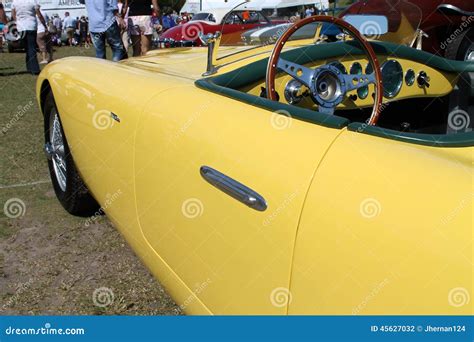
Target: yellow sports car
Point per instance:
(314, 176)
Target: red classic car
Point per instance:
(231, 23)
(447, 24)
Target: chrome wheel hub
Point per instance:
(55, 150)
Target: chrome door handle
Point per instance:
(234, 189)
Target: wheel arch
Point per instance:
(44, 91)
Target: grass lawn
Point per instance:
(50, 262)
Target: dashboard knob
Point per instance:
(423, 79)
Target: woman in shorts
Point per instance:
(139, 24)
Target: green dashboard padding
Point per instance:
(228, 84)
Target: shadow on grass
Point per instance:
(13, 73)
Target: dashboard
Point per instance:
(401, 78)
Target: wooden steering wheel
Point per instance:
(327, 84)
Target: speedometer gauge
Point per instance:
(392, 78)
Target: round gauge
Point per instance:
(339, 66)
(356, 69)
(369, 69)
(410, 77)
(392, 78)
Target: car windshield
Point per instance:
(204, 16)
(403, 19)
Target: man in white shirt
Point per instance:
(69, 25)
(24, 12)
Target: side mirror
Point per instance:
(368, 25)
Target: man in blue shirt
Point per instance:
(105, 22)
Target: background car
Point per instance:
(231, 23)
(448, 24)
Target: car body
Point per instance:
(242, 205)
(440, 27)
(230, 23)
(270, 34)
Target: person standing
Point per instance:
(140, 25)
(3, 23)
(24, 12)
(3, 16)
(124, 30)
(69, 25)
(57, 23)
(105, 22)
(83, 27)
(43, 39)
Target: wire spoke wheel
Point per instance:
(57, 143)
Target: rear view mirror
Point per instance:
(369, 25)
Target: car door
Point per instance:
(235, 259)
(386, 229)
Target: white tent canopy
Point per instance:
(193, 6)
(55, 7)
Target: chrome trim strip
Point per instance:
(233, 188)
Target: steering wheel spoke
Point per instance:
(298, 72)
(353, 82)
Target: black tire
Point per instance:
(73, 194)
(458, 48)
